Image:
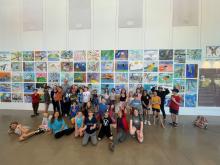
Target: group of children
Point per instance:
(89, 113)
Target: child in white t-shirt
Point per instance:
(46, 119)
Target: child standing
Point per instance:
(80, 97)
(145, 98)
(46, 98)
(106, 96)
(95, 100)
(90, 129)
(174, 106)
(35, 103)
(156, 101)
(102, 109)
(66, 104)
(105, 130)
(112, 97)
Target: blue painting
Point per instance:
(191, 70)
(121, 66)
(190, 100)
(121, 55)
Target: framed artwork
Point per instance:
(166, 66)
(179, 84)
(66, 66)
(80, 66)
(16, 56)
(53, 55)
(93, 78)
(16, 76)
(29, 87)
(151, 78)
(28, 55)
(79, 77)
(93, 66)
(191, 70)
(5, 66)
(213, 52)
(53, 66)
(121, 66)
(17, 97)
(107, 66)
(17, 87)
(180, 56)
(135, 77)
(151, 55)
(40, 66)
(66, 55)
(5, 87)
(54, 77)
(150, 66)
(179, 70)
(40, 55)
(16, 66)
(165, 54)
(121, 77)
(121, 55)
(165, 78)
(93, 55)
(29, 77)
(194, 55)
(5, 97)
(107, 78)
(107, 55)
(136, 66)
(135, 55)
(41, 77)
(5, 56)
(80, 55)
(28, 66)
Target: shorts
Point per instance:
(146, 108)
(157, 110)
(176, 112)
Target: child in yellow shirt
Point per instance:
(156, 101)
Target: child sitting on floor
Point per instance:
(44, 123)
(79, 120)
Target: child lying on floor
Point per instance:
(201, 122)
(24, 132)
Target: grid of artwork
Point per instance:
(21, 72)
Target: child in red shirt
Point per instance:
(35, 103)
(175, 102)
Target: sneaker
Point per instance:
(148, 122)
(145, 122)
(39, 131)
(111, 147)
(33, 115)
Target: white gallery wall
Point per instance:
(157, 30)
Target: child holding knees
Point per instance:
(105, 130)
(79, 124)
(136, 125)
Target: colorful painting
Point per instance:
(121, 66)
(150, 66)
(5, 97)
(121, 55)
(80, 55)
(67, 76)
(106, 86)
(191, 70)
(28, 66)
(16, 66)
(213, 52)
(136, 66)
(16, 76)
(94, 87)
(93, 55)
(107, 66)
(93, 78)
(165, 78)
(5, 66)
(17, 97)
(133, 87)
(17, 87)
(135, 55)
(40, 55)
(40, 66)
(5, 87)
(54, 77)
(151, 55)
(194, 55)
(5, 76)
(66, 55)
(182, 103)
(40, 85)
(179, 70)
(190, 100)
(166, 66)
(28, 55)
(66, 66)
(29, 77)
(53, 55)
(16, 56)
(93, 66)
(29, 87)
(5, 56)
(107, 54)
(135, 77)
(79, 77)
(53, 66)
(191, 85)
(148, 87)
(118, 87)
(179, 84)
(79, 66)
(121, 77)
(166, 54)
(180, 56)
(41, 77)
(150, 78)
(27, 98)
(107, 78)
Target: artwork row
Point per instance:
(149, 77)
(179, 56)
(180, 70)
(188, 99)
